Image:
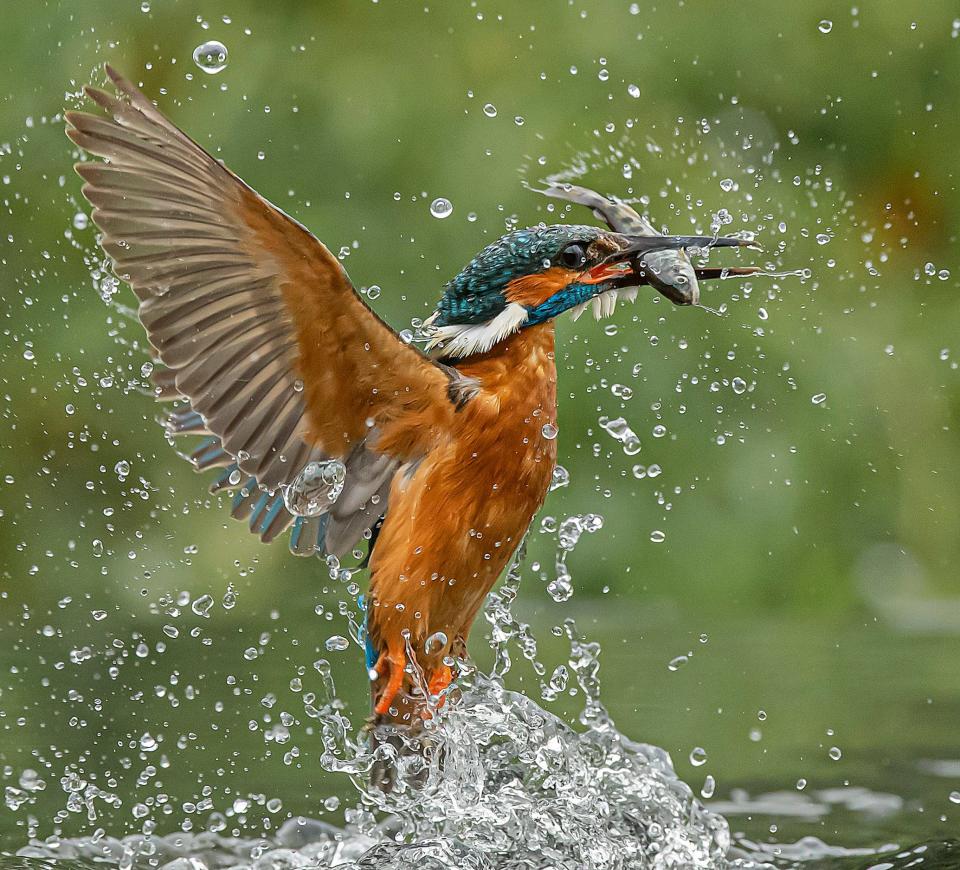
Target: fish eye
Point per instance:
(572, 256)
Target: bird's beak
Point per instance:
(662, 262)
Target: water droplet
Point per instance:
(561, 477)
(825, 25)
(659, 430)
(436, 642)
(739, 386)
(698, 756)
(315, 488)
(955, 797)
(441, 208)
(373, 291)
(549, 431)
(490, 110)
(148, 743)
(818, 398)
(80, 221)
(801, 784)
(822, 238)
(211, 56)
(657, 536)
(726, 184)
(99, 615)
(201, 606)
(250, 653)
(709, 787)
(621, 431)
(835, 753)
(559, 679)
(560, 589)
(336, 643)
(634, 91)
(122, 469)
(519, 120)
(229, 598)
(677, 662)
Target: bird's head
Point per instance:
(532, 275)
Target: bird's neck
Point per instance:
(519, 370)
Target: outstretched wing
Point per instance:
(281, 361)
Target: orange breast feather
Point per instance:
(456, 518)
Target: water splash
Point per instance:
(492, 781)
(508, 785)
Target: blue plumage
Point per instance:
(369, 651)
(570, 296)
(477, 294)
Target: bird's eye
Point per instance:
(572, 257)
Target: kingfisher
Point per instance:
(324, 421)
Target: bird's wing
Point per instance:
(282, 362)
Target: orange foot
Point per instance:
(439, 680)
(394, 665)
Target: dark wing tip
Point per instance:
(127, 88)
(75, 136)
(112, 74)
(101, 98)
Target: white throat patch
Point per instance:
(465, 339)
(605, 304)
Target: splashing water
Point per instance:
(492, 782)
(507, 785)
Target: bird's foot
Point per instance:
(394, 665)
(440, 680)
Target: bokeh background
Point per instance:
(808, 492)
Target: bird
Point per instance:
(320, 418)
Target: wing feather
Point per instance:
(264, 336)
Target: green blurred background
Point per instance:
(809, 567)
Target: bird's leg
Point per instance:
(392, 663)
(440, 679)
